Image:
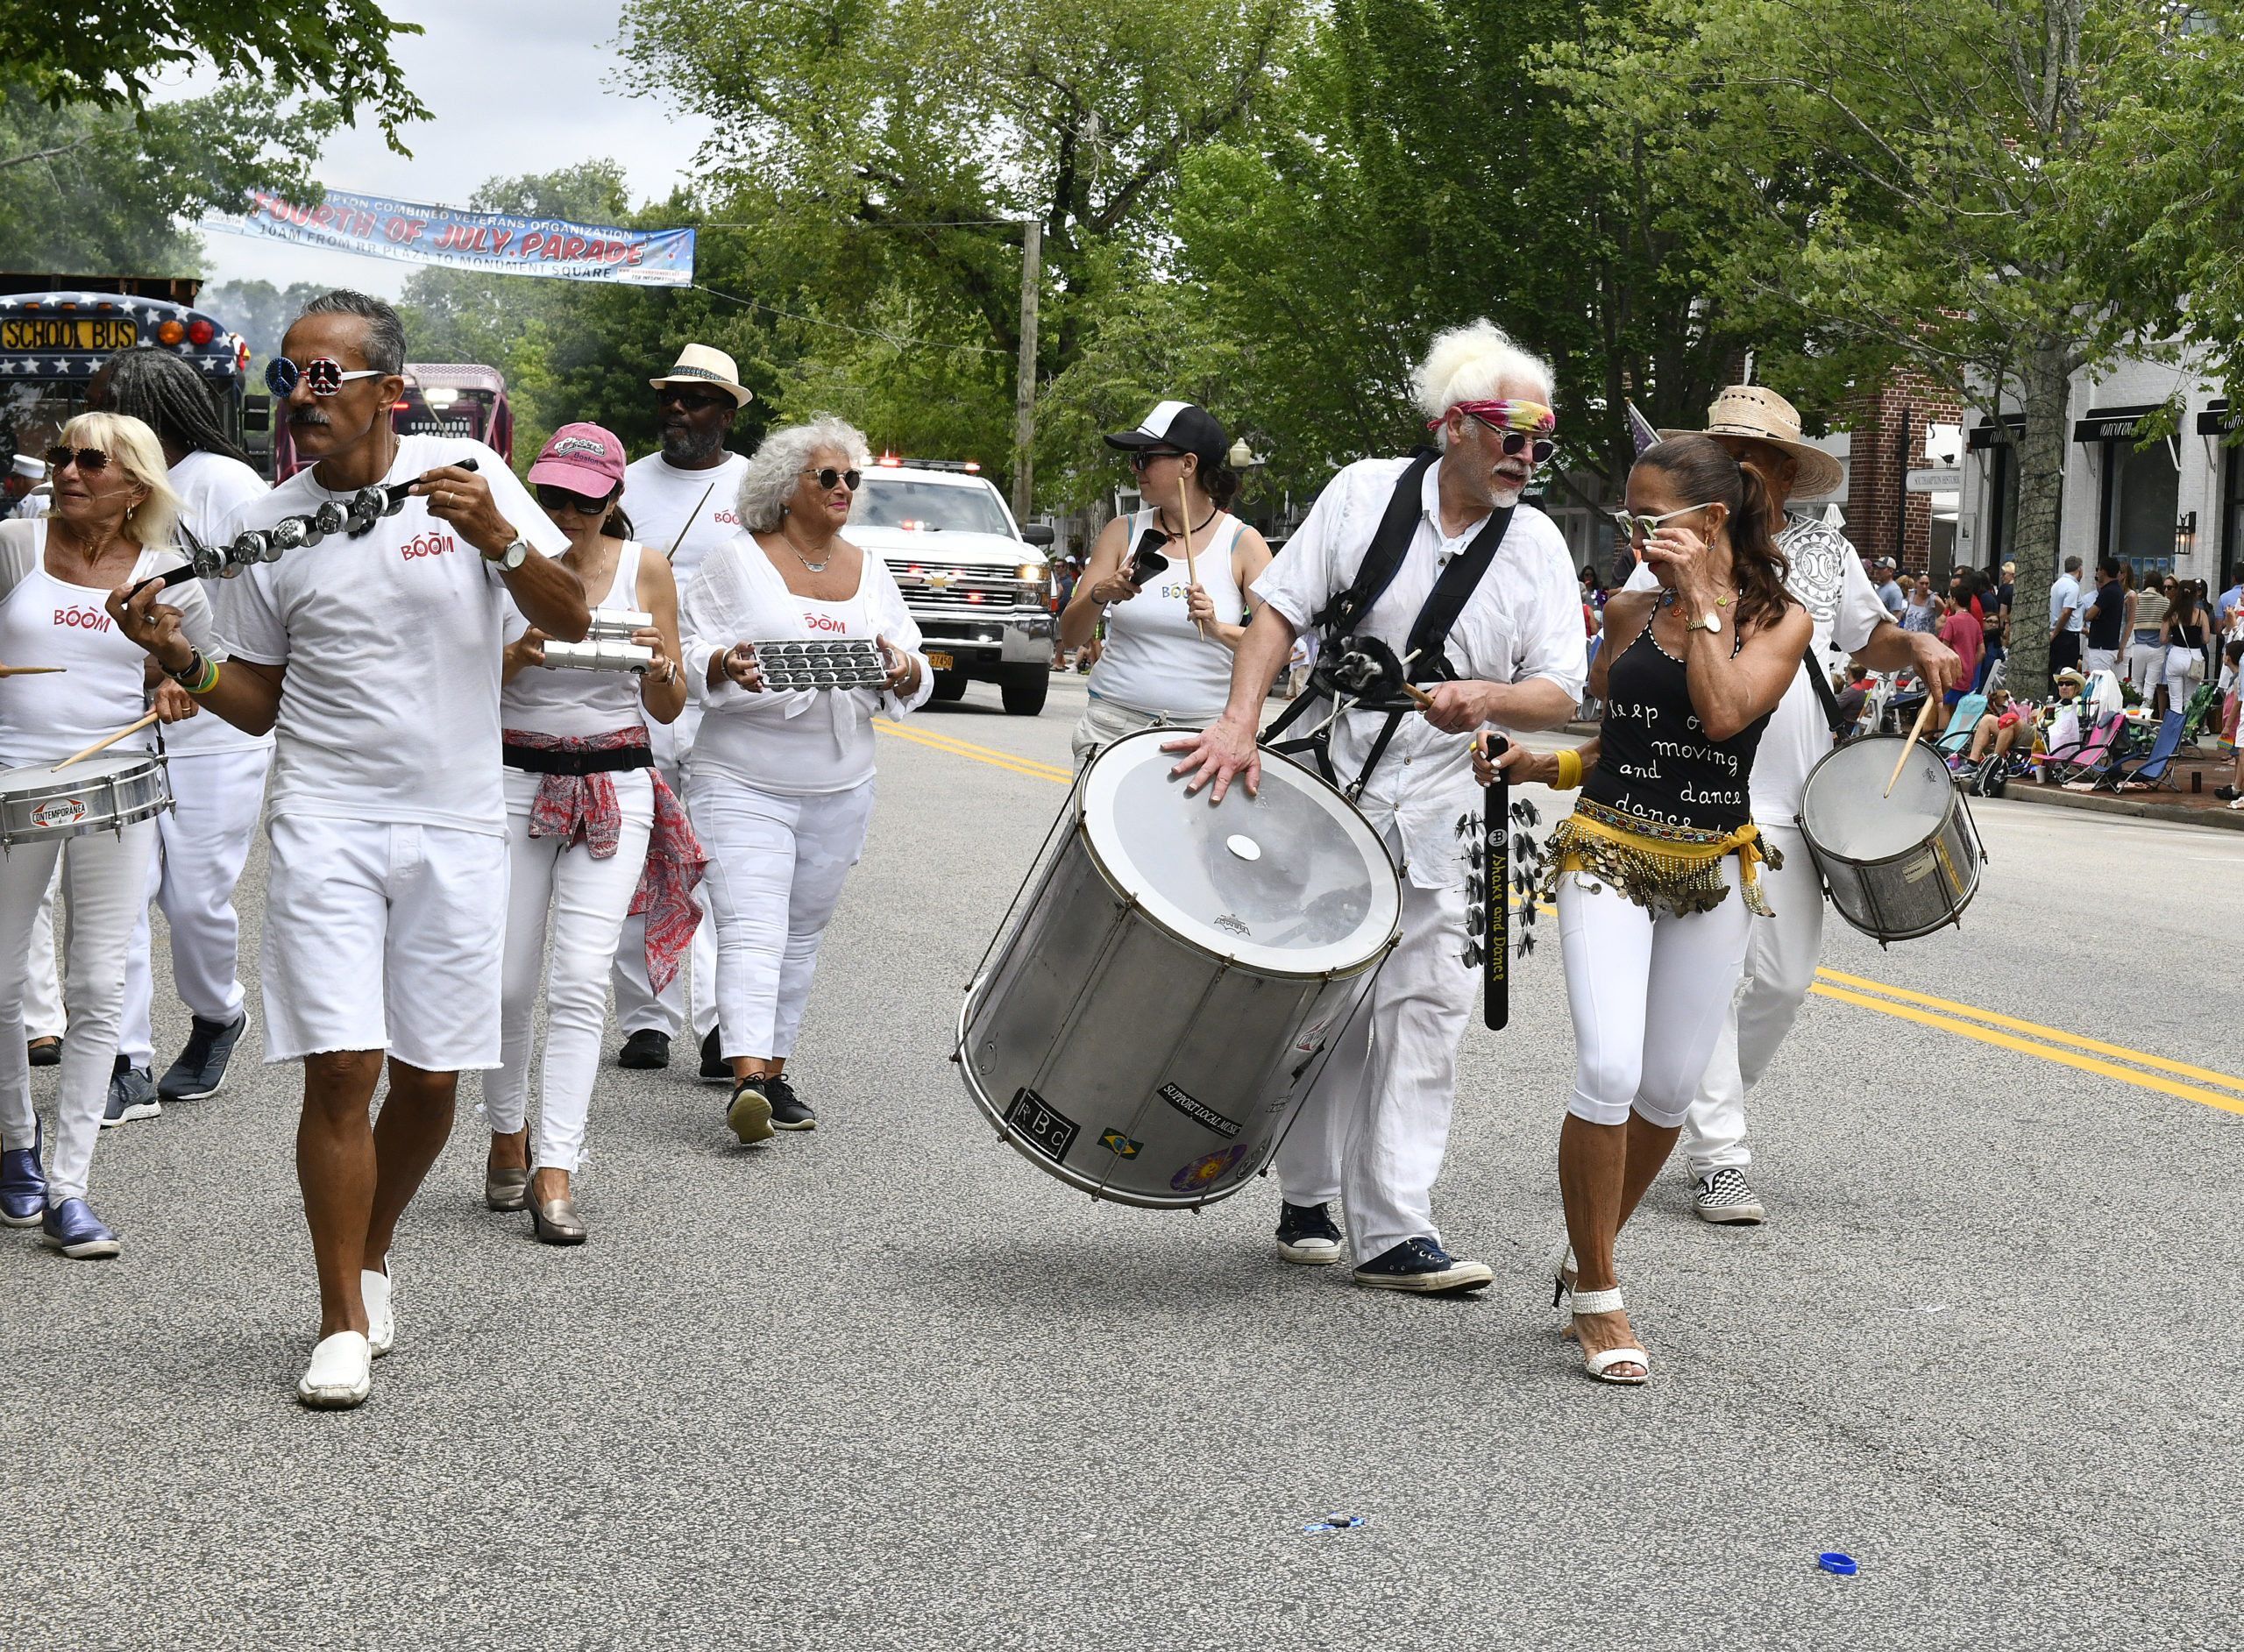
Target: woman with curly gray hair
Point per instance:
(781, 788)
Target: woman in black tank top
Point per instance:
(1642, 869)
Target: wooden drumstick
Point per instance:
(1191, 566)
(111, 739)
(1922, 713)
(31, 670)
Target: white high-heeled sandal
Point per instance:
(1601, 1364)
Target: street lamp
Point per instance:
(2186, 535)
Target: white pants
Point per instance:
(383, 936)
(105, 876)
(203, 842)
(2146, 666)
(1375, 1125)
(1649, 995)
(586, 899)
(775, 867)
(2101, 660)
(1780, 954)
(43, 1016)
(2182, 664)
(1104, 722)
(639, 1008)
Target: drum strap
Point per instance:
(1832, 714)
(1427, 649)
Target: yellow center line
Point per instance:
(2003, 1040)
(2034, 1030)
(1028, 766)
(2046, 1037)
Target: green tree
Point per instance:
(95, 191)
(110, 56)
(1928, 188)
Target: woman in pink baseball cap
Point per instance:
(594, 833)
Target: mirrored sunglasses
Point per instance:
(324, 375)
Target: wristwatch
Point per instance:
(1709, 622)
(511, 558)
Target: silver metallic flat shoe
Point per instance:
(556, 1222)
(506, 1189)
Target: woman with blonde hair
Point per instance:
(111, 526)
(781, 789)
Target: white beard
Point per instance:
(1505, 491)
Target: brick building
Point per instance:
(1888, 426)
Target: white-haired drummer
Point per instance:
(781, 789)
(111, 526)
(1373, 1130)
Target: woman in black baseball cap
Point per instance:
(1169, 638)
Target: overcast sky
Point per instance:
(514, 86)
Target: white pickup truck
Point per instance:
(979, 584)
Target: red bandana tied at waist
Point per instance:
(582, 809)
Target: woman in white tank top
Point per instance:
(111, 525)
(1167, 660)
(590, 824)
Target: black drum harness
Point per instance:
(1356, 671)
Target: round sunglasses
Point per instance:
(325, 375)
(564, 498)
(1515, 440)
(829, 476)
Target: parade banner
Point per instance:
(408, 232)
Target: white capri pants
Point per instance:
(1780, 954)
(106, 879)
(202, 842)
(2146, 666)
(43, 1016)
(692, 991)
(1649, 995)
(775, 867)
(587, 900)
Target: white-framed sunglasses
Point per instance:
(1632, 526)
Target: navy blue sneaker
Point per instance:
(131, 1095)
(23, 1188)
(1420, 1264)
(77, 1232)
(1306, 1234)
(200, 1072)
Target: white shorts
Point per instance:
(382, 937)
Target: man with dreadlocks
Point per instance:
(218, 772)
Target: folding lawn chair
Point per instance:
(2080, 769)
(2200, 710)
(2152, 772)
(1955, 739)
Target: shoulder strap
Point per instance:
(1383, 558)
(1430, 631)
(1832, 714)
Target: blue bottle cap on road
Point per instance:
(1842, 1564)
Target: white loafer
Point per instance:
(381, 1323)
(340, 1376)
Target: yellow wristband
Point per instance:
(1569, 770)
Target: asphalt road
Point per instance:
(885, 1385)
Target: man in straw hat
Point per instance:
(681, 500)
(1761, 431)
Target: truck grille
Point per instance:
(963, 588)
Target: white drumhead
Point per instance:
(1844, 812)
(1291, 881)
(87, 771)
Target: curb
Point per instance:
(2219, 819)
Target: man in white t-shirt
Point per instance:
(218, 770)
(377, 659)
(682, 499)
(1761, 431)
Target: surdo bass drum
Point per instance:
(1173, 973)
(1897, 867)
(105, 792)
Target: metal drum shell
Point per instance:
(1909, 892)
(1131, 1060)
(105, 792)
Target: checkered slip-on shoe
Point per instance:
(1726, 1197)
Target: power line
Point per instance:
(862, 332)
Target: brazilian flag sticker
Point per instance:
(1120, 1145)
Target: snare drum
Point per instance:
(1160, 998)
(105, 792)
(1897, 867)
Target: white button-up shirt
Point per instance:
(1522, 621)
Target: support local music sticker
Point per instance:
(1205, 1173)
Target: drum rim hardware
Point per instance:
(1954, 803)
(101, 772)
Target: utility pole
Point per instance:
(1032, 253)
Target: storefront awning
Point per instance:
(2218, 419)
(1982, 436)
(2111, 425)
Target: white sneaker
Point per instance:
(381, 1324)
(340, 1376)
